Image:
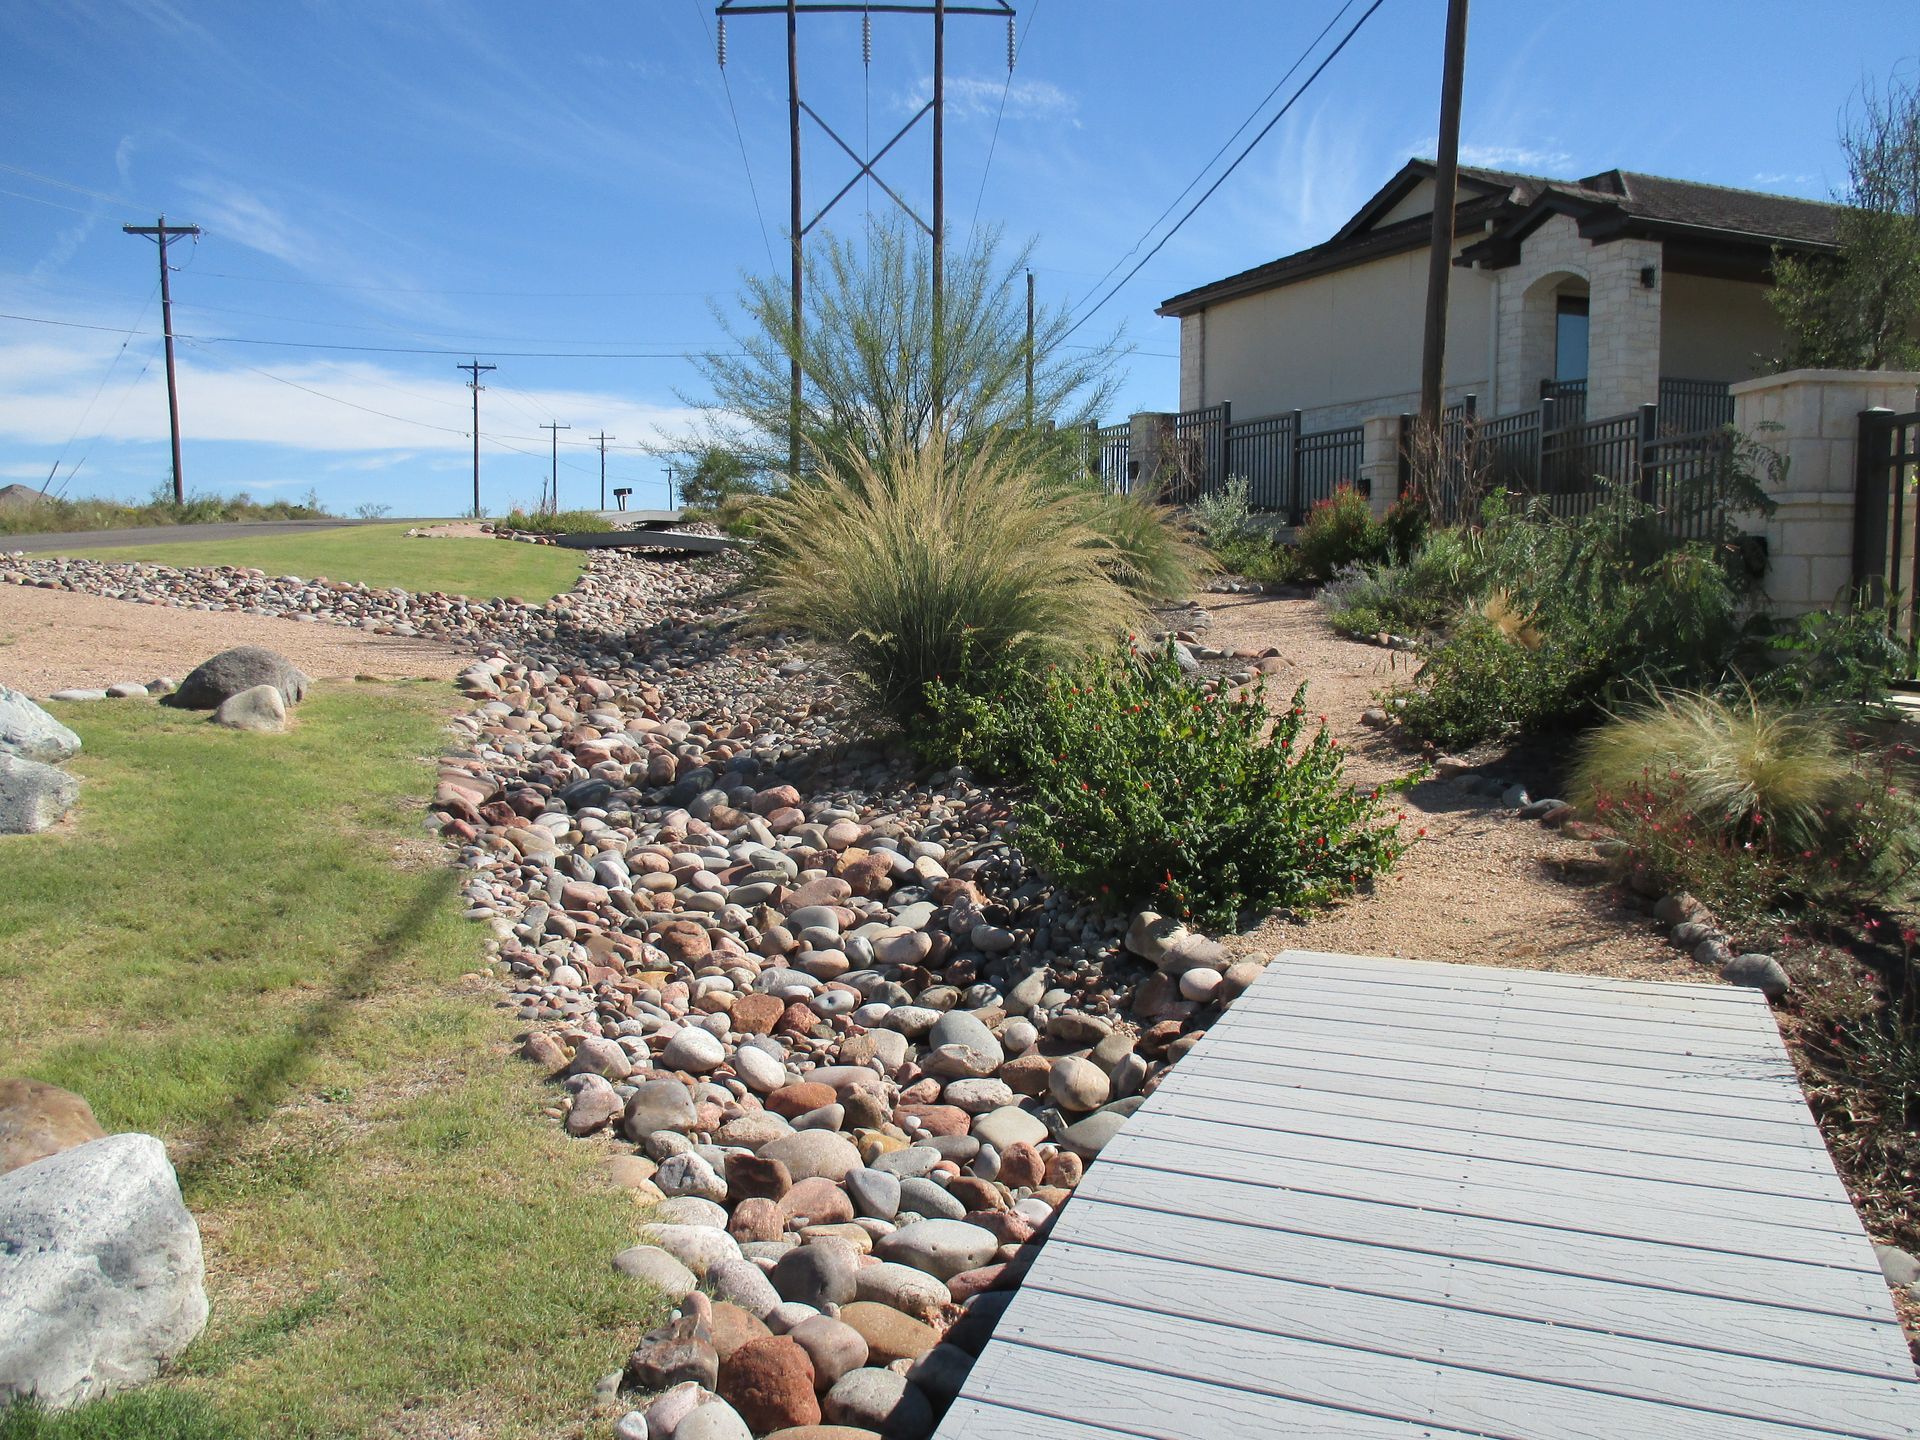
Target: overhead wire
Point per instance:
(107, 424)
(1266, 129)
(112, 366)
(1212, 159)
(1005, 90)
(391, 349)
(740, 137)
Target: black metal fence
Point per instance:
(1569, 398)
(1109, 455)
(1886, 523)
(1689, 405)
(1262, 452)
(1197, 461)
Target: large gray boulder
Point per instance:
(101, 1280)
(32, 796)
(31, 733)
(235, 670)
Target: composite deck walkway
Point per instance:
(1388, 1198)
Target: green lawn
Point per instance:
(250, 946)
(379, 555)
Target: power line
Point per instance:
(740, 137)
(1013, 59)
(390, 349)
(1208, 194)
(1200, 174)
(420, 290)
(107, 424)
(112, 366)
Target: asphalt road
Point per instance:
(164, 534)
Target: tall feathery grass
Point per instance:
(1752, 804)
(927, 561)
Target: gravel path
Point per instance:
(55, 639)
(1483, 887)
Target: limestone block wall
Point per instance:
(1623, 340)
(1812, 419)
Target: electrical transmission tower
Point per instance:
(474, 385)
(552, 505)
(602, 439)
(939, 10)
(164, 232)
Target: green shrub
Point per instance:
(1849, 656)
(1225, 516)
(46, 515)
(1148, 788)
(1483, 682)
(561, 522)
(917, 564)
(1751, 804)
(1340, 531)
(1426, 592)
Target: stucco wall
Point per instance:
(1350, 338)
(1715, 329)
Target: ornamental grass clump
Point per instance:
(916, 563)
(1751, 805)
(1148, 788)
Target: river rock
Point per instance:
(654, 1266)
(810, 1154)
(942, 1248)
(770, 1383)
(880, 1400)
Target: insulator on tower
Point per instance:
(720, 40)
(1012, 48)
(866, 40)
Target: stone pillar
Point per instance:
(1812, 419)
(1193, 361)
(1380, 460)
(1623, 327)
(1148, 449)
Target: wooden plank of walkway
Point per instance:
(1387, 1198)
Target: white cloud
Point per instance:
(972, 97)
(1527, 159)
(372, 414)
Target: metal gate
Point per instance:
(1886, 524)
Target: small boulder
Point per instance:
(1758, 972)
(770, 1383)
(232, 671)
(33, 796)
(260, 709)
(38, 1120)
(31, 733)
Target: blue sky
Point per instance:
(514, 180)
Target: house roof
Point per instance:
(1509, 206)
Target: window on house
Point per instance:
(1570, 338)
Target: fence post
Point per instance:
(1226, 441)
(1540, 444)
(1646, 462)
(1873, 477)
(1293, 469)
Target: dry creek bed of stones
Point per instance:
(853, 1052)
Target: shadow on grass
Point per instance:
(269, 1082)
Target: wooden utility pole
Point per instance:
(553, 494)
(163, 232)
(797, 226)
(798, 235)
(1029, 349)
(1446, 171)
(939, 213)
(602, 438)
(474, 385)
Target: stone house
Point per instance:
(1606, 292)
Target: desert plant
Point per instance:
(1848, 655)
(1426, 593)
(1224, 516)
(1340, 531)
(930, 560)
(1147, 787)
(1150, 549)
(1748, 802)
(872, 379)
(561, 522)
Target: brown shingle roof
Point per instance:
(1617, 199)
